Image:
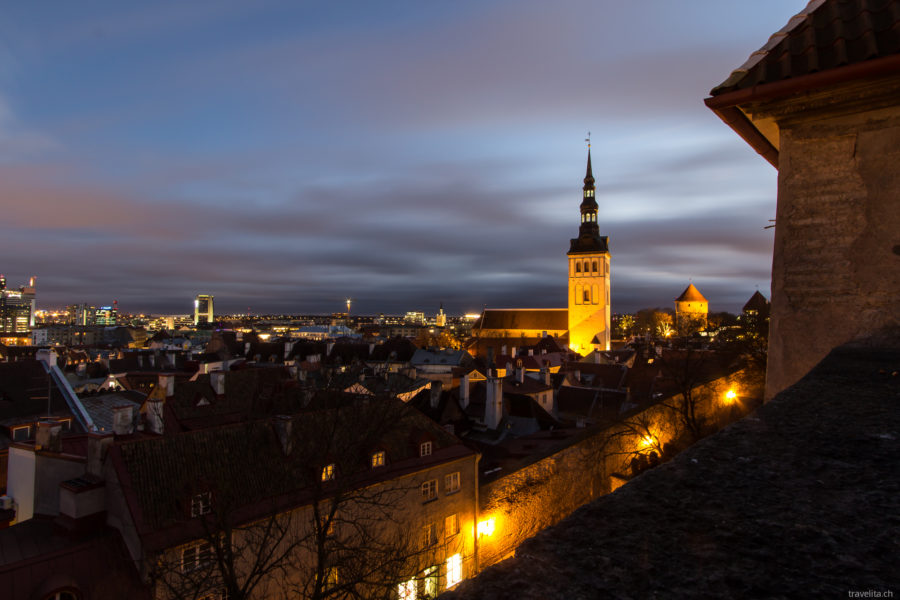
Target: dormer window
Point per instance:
(328, 472)
(425, 449)
(201, 504)
(21, 434)
(378, 459)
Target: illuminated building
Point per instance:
(106, 315)
(586, 321)
(203, 309)
(441, 319)
(691, 311)
(16, 308)
(589, 259)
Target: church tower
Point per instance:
(589, 315)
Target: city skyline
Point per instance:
(283, 157)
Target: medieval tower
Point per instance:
(589, 314)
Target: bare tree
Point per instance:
(295, 505)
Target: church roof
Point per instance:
(543, 319)
(691, 294)
(589, 244)
(825, 35)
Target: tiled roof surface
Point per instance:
(543, 319)
(691, 294)
(827, 34)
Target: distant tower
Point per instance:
(589, 278)
(203, 309)
(441, 319)
(691, 311)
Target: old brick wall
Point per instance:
(836, 266)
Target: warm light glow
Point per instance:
(647, 441)
(730, 396)
(454, 570)
(486, 527)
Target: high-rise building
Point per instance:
(17, 308)
(203, 309)
(106, 315)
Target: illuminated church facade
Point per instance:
(585, 325)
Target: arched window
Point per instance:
(594, 266)
(578, 266)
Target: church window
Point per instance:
(594, 267)
(587, 296)
(578, 267)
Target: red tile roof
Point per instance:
(691, 294)
(540, 319)
(827, 34)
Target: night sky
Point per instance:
(283, 156)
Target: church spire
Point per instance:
(589, 238)
(589, 176)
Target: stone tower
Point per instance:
(589, 278)
(691, 311)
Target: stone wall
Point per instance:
(836, 267)
(519, 505)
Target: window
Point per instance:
(429, 490)
(378, 459)
(594, 267)
(328, 472)
(195, 556)
(425, 449)
(578, 267)
(21, 434)
(201, 504)
(407, 590)
(587, 296)
(331, 578)
(454, 570)
(451, 483)
(429, 535)
(451, 525)
(430, 577)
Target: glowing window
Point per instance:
(451, 483)
(378, 459)
(425, 449)
(429, 490)
(407, 590)
(201, 504)
(454, 570)
(331, 578)
(430, 577)
(451, 525)
(328, 472)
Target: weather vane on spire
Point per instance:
(588, 140)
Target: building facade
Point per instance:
(203, 309)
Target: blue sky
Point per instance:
(285, 155)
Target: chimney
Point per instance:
(503, 350)
(520, 371)
(283, 428)
(328, 347)
(371, 348)
(47, 437)
(154, 416)
(464, 391)
(436, 387)
(578, 376)
(515, 352)
(217, 379)
(545, 375)
(167, 384)
(288, 346)
(493, 404)
(122, 419)
(598, 359)
(97, 447)
(531, 352)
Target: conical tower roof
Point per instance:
(756, 302)
(691, 294)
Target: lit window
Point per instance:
(407, 590)
(454, 570)
(429, 490)
(201, 504)
(378, 459)
(195, 556)
(331, 578)
(425, 449)
(451, 483)
(430, 577)
(429, 535)
(451, 525)
(328, 472)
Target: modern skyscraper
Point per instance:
(203, 309)
(16, 308)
